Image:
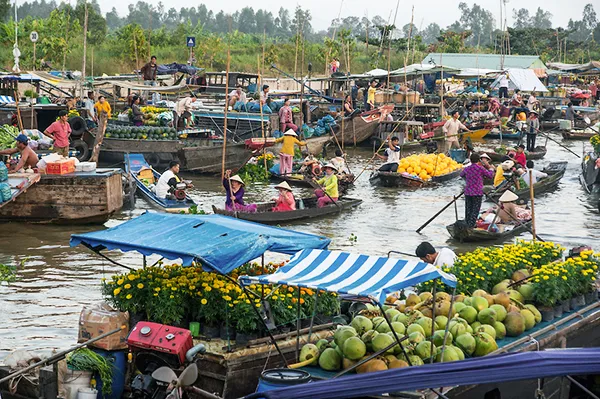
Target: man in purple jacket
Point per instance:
(474, 174)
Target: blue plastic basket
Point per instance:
(459, 155)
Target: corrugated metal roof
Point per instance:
(484, 61)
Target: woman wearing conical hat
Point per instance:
(285, 201)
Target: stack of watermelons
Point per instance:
(141, 132)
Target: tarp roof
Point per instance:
(522, 79)
(474, 371)
(24, 77)
(141, 87)
(353, 274)
(575, 67)
(418, 69)
(220, 243)
(484, 61)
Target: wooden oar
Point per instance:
(440, 212)
(551, 139)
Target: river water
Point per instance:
(40, 311)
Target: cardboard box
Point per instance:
(102, 318)
(61, 167)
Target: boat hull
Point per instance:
(208, 158)
(539, 153)
(578, 135)
(265, 216)
(77, 198)
(393, 179)
(361, 127)
(479, 235)
(555, 171)
(314, 144)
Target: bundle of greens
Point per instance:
(88, 360)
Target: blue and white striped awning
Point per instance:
(6, 100)
(353, 274)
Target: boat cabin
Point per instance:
(406, 131)
(216, 82)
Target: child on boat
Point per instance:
(234, 188)
(329, 193)
(285, 201)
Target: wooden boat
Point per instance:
(538, 153)
(505, 135)
(310, 211)
(361, 127)
(578, 135)
(206, 157)
(299, 180)
(590, 175)
(477, 134)
(314, 144)
(555, 171)
(478, 235)
(75, 198)
(394, 179)
(134, 163)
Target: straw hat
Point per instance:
(330, 165)
(290, 132)
(238, 179)
(284, 185)
(508, 196)
(507, 165)
(484, 155)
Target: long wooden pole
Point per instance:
(84, 62)
(225, 112)
(405, 65)
(390, 49)
(262, 125)
(532, 203)
(333, 36)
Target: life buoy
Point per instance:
(83, 151)
(153, 160)
(78, 126)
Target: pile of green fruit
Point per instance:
(475, 324)
(141, 132)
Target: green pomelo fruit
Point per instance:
(486, 328)
(415, 328)
(500, 330)
(361, 324)
(449, 355)
(381, 341)
(514, 323)
(425, 349)
(479, 303)
(529, 318)
(485, 344)
(487, 316)
(466, 342)
(468, 313)
(342, 334)
(500, 312)
(438, 338)
(354, 348)
(310, 351)
(330, 360)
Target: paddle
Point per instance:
(514, 218)
(588, 122)
(551, 139)
(440, 212)
(339, 146)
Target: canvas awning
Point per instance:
(522, 79)
(220, 243)
(352, 274)
(474, 371)
(141, 87)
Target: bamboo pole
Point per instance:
(225, 114)
(297, 39)
(532, 203)
(333, 37)
(66, 41)
(390, 49)
(262, 125)
(367, 31)
(85, 29)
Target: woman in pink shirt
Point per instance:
(60, 131)
(285, 201)
(286, 117)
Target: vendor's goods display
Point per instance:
(140, 132)
(172, 294)
(426, 166)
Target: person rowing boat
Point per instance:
(328, 194)
(234, 188)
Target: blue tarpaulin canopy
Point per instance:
(488, 369)
(353, 274)
(220, 243)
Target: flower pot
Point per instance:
(212, 332)
(579, 300)
(242, 339)
(566, 304)
(591, 297)
(547, 313)
(558, 311)
(227, 332)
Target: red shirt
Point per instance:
(61, 132)
(521, 159)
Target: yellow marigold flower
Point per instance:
(208, 289)
(120, 281)
(127, 286)
(140, 286)
(545, 277)
(564, 278)
(204, 301)
(157, 289)
(174, 288)
(128, 296)
(131, 277)
(116, 291)
(171, 297)
(258, 305)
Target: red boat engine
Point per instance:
(156, 345)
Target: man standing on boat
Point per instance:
(28, 159)
(451, 129)
(88, 104)
(183, 110)
(150, 72)
(474, 174)
(60, 131)
(370, 98)
(427, 253)
(503, 86)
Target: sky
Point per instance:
(442, 12)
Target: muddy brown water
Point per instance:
(41, 310)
